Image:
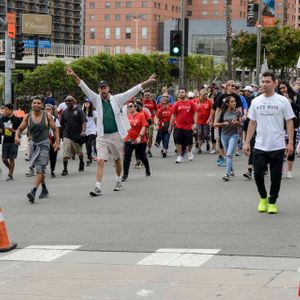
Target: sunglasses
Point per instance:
(232, 85)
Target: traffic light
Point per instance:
(175, 43)
(19, 50)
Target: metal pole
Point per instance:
(8, 46)
(181, 59)
(36, 49)
(258, 47)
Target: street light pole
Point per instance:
(136, 19)
(181, 59)
(258, 47)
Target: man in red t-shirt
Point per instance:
(151, 105)
(185, 115)
(204, 106)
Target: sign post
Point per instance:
(36, 24)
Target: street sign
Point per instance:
(12, 64)
(43, 44)
(37, 24)
(173, 61)
(11, 25)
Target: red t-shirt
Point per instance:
(151, 105)
(203, 110)
(147, 113)
(184, 112)
(137, 122)
(164, 115)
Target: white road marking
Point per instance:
(144, 293)
(45, 253)
(179, 257)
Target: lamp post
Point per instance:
(258, 47)
(181, 59)
(136, 20)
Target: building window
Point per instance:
(92, 5)
(279, 16)
(173, 8)
(92, 33)
(215, 1)
(117, 50)
(144, 49)
(189, 2)
(215, 13)
(107, 5)
(144, 3)
(144, 32)
(279, 5)
(158, 5)
(166, 6)
(154, 17)
(107, 17)
(176, 8)
(158, 18)
(143, 17)
(128, 33)
(128, 4)
(117, 17)
(118, 4)
(204, 1)
(107, 33)
(241, 14)
(118, 33)
(204, 13)
(155, 4)
(92, 17)
(128, 50)
(241, 2)
(189, 13)
(128, 17)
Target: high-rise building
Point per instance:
(67, 17)
(126, 25)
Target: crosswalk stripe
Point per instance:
(179, 257)
(43, 253)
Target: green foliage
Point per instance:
(121, 72)
(281, 45)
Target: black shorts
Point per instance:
(9, 151)
(183, 137)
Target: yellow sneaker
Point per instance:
(262, 205)
(272, 209)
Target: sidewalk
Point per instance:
(111, 275)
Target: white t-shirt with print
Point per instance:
(269, 114)
(91, 127)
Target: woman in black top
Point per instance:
(286, 90)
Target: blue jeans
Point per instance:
(229, 142)
(165, 135)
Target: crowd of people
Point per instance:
(263, 121)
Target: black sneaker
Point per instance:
(199, 151)
(31, 196)
(148, 173)
(164, 154)
(149, 153)
(81, 167)
(64, 172)
(124, 178)
(96, 192)
(207, 147)
(53, 175)
(9, 177)
(44, 193)
(248, 175)
(226, 177)
(88, 163)
(156, 144)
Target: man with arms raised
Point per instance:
(110, 126)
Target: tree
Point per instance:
(228, 19)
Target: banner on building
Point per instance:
(252, 13)
(268, 13)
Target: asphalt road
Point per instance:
(180, 206)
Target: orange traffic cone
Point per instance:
(5, 245)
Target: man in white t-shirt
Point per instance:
(267, 115)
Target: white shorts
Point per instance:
(109, 144)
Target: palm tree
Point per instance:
(228, 19)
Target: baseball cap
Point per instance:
(191, 95)
(86, 100)
(103, 83)
(248, 88)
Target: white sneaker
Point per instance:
(191, 156)
(179, 159)
(289, 175)
(213, 151)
